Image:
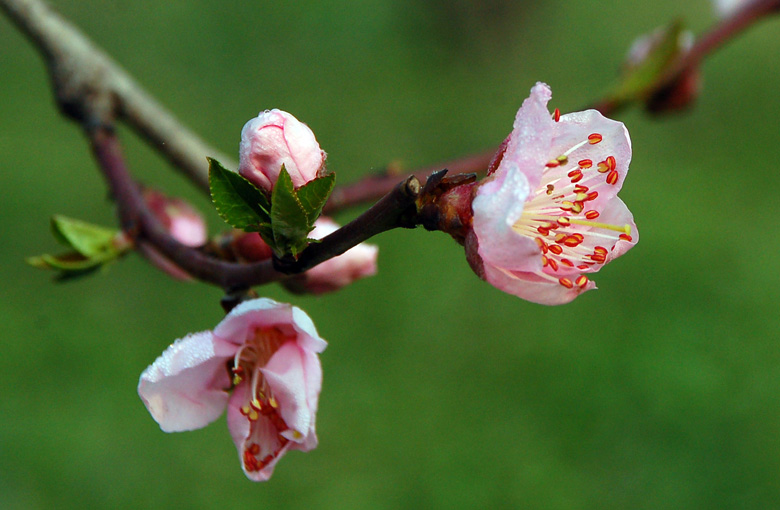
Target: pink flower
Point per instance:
(338, 272)
(275, 138)
(261, 362)
(550, 214)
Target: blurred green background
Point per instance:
(660, 390)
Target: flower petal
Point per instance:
(287, 377)
(497, 207)
(258, 442)
(617, 213)
(531, 137)
(574, 129)
(263, 312)
(534, 288)
(184, 389)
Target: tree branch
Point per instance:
(88, 84)
(396, 209)
(138, 221)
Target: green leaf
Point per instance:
(71, 264)
(289, 220)
(87, 239)
(267, 233)
(638, 79)
(314, 194)
(237, 200)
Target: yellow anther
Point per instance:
(297, 434)
(272, 401)
(256, 404)
(236, 379)
(562, 159)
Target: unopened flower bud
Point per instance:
(682, 91)
(275, 138)
(178, 217)
(250, 247)
(184, 224)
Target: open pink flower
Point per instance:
(261, 362)
(549, 214)
(275, 138)
(338, 272)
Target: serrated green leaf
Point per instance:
(87, 239)
(237, 200)
(288, 217)
(314, 194)
(638, 80)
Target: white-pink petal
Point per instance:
(534, 288)
(289, 383)
(186, 387)
(497, 207)
(529, 142)
(237, 325)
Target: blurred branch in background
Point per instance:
(85, 78)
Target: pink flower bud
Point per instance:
(250, 247)
(275, 138)
(181, 220)
(338, 272)
(184, 224)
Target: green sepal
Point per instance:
(314, 194)
(289, 220)
(638, 80)
(238, 201)
(87, 239)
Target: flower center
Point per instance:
(560, 215)
(261, 403)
